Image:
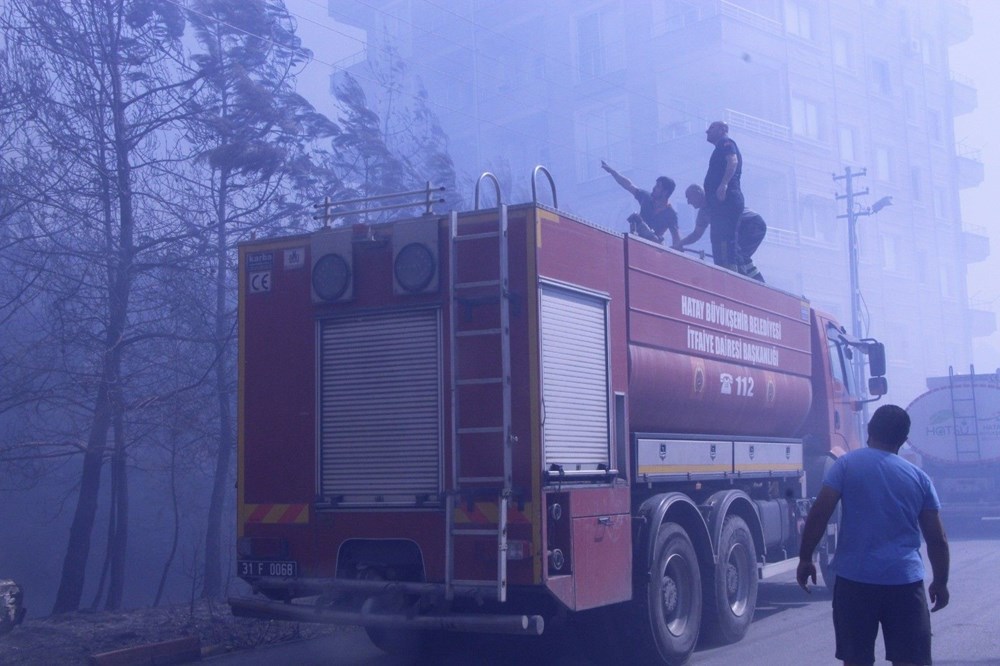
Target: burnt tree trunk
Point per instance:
(119, 496)
(121, 252)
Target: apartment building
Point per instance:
(809, 89)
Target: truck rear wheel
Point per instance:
(670, 608)
(730, 604)
(394, 641)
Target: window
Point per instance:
(845, 140)
(601, 133)
(934, 126)
(670, 15)
(940, 202)
(910, 102)
(805, 118)
(881, 80)
(841, 358)
(867, 241)
(897, 256)
(927, 51)
(818, 219)
(798, 21)
(890, 253)
(916, 183)
(842, 50)
(947, 282)
(883, 164)
(598, 44)
(511, 75)
(589, 51)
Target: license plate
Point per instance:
(254, 568)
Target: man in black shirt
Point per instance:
(750, 231)
(656, 216)
(723, 196)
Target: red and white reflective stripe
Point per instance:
(487, 513)
(277, 513)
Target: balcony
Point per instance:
(969, 165)
(975, 243)
(958, 21)
(685, 16)
(964, 96)
(744, 121)
(982, 322)
(751, 18)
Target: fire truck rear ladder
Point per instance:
(964, 410)
(463, 488)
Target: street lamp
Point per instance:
(880, 204)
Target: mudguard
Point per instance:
(678, 508)
(725, 502)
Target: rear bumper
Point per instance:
(379, 603)
(366, 617)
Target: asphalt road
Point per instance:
(790, 627)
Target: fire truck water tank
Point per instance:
(670, 392)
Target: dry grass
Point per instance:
(72, 638)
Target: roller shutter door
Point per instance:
(380, 409)
(575, 390)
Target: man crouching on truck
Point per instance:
(750, 231)
(656, 216)
(887, 503)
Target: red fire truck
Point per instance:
(490, 420)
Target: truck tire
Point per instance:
(670, 606)
(730, 603)
(827, 549)
(394, 641)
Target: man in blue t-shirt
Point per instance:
(887, 503)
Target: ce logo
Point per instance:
(260, 282)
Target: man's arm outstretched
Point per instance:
(620, 179)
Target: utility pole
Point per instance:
(854, 211)
(852, 239)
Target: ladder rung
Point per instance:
(475, 583)
(477, 331)
(482, 234)
(479, 431)
(479, 283)
(480, 479)
(474, 532)
(475, 382)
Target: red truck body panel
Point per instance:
(691, 324)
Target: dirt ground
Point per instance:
(72, 638)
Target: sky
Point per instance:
(976, 59)
(973, 59)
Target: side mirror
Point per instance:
(878, 386)
(876, 360)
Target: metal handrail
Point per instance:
(496, 184)
(552, 184)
